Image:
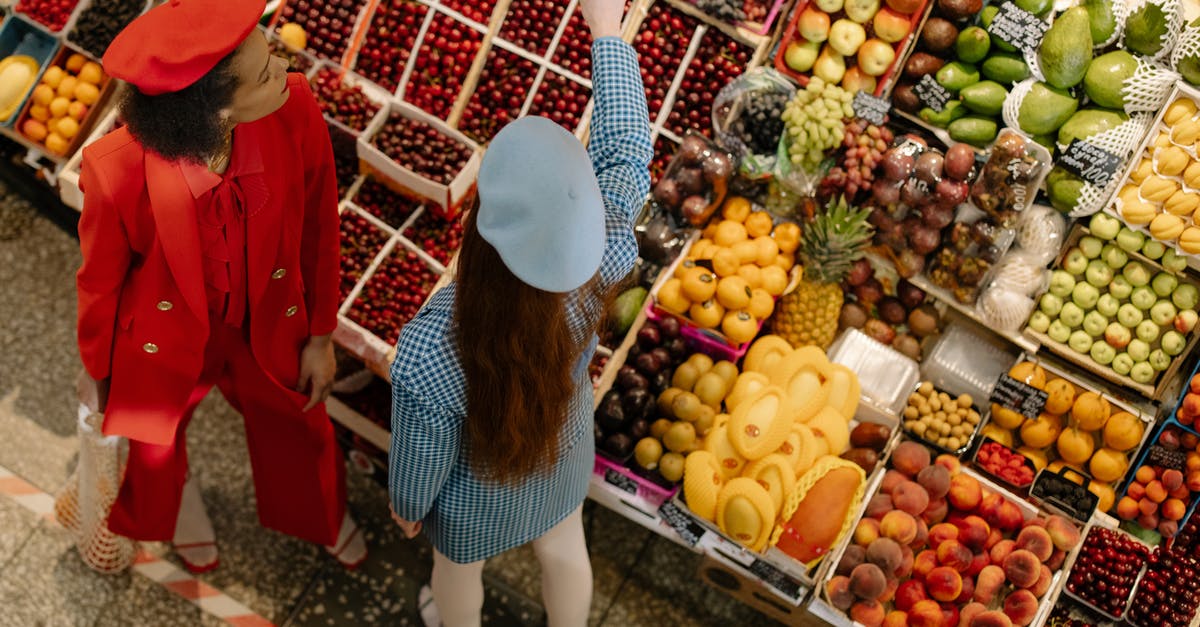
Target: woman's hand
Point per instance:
(318, 367)
(410, 529)
(603, 17)
(92, 393)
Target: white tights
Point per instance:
(566, 579)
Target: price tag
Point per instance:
(626, 484)
(1162, 456)
(931, 94)
(689, 530)
(1018, 28)
(1019, 397)
(776, 579)
(870, 108)
(1092, 163)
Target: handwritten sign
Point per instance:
(931, 94)
(1162, 456)
(776, 579)
(1089, 162)
(688, 529)
(1019, 396)
(1018, 28)
(612, 477)
(870, 108)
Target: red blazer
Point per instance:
(143, 313)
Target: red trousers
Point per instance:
(299, 477)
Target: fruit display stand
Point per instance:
(332, 28)
(92, 103)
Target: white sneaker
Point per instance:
(350, 548)
(428, 609)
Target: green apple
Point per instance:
(1120, 288)
(1114, 256)
(1107, 305)
(1095, 323)
(1136, 273)
(1173, 261)
(1039, 321)
(1143, 298)
(1163, 313)
(1186, 296)
(1153, 249)
(1130, 239)
(1059, 332)
(1147, 331)
(845, 37)
(1091, 246)
(801, 55)
(1138, 350)
(1117, 335)
(1173, 343)
(1075, 262)
(1050, 304)
(1104, 226)
(1122, 363)
(1071, 315)
(1163, 284)
(861, 11)
(1080, 341)
(1159, 360)
(1186, 320)
(1061, 283)
(829, 6)
(1102, 353)
(1085, 294)
(1142, 372)
(1099, 273)
(1129, 316)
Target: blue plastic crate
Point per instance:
(19, 36)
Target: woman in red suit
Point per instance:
(210, 257)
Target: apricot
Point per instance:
(1148, 521)
(988, 584)
(1136, 491)
(1022, 568)
(1173, 509)
(910, 497)
(965, 492)
(1155, 491)
(867, 581)
(936, 480)
(1172, 479)
(910, 458)
(891, 479)
(899, 526)
(955, 554)
(866, 532)
(1037, 541)
(1147, 507)
(886, 554)
(1021, 607)
(1145, 475)
(839, 594)
(1062, 532)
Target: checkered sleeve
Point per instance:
(425, 447)
(620, 149)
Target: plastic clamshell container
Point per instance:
(886, 376)
(20, 36)
(1014, 488)
(967, 360)
(1045, 477)
(979, 406)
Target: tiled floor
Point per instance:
(640, 579)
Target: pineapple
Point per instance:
(829, 246)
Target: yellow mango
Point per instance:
(1166, 227)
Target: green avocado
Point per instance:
(985, 18)
(625, 309)
(973, 129)
(1005, 68)
(1104, 82)
(984, 97)
(1089, 122)
(1064, 189)
(1101, 19)
(1045, 109)
(1037, 7)
(953, 111)
(956, 75)
(972, 44)
(1145, 29)
(1066, 49)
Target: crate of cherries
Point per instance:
(1168, 593)
(328, 24)
(422, 155)
(1106, 571)
(346, 98)
(51, 14)
(393, 294)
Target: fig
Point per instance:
(648, 364)
(632, 381)
(668, 328)
(891, 310)
(677, 348)
(667, 192)
(908, 345)
(618, 445)
(879, 331)
(660, 382)
(853, 316)
(717, 167)
(937, 216)
(905, 98)
(897, 166)
(960, 160)
(634, 402)
(923, 321)
(663, 356)
(929, 167)
(911, 295)
(886, 192)
(639, 429)
(915, 192)
(859, 273)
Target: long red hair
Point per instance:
(517, 351)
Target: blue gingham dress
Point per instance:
(430, 478)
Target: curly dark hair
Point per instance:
(183, 125)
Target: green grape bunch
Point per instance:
(815, 122)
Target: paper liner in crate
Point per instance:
(730, 105)
(1173, 12)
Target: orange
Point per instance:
(736, 209)
(758, 224)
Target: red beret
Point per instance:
(176, 43)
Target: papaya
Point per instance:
(819, 517)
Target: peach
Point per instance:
(895, 618)
(991, 618)
(909, 593)
(1035, 522)
(1193, 481)
(925, 613)
(1182, 493)
(968, 591)
(989, 507)
(853, 556)
(879, 505)
(924, 562)
(1062, 532)
(949, 615)
(950, 463)
(1156, 491)
(1036, 540)
(1127, 508)
(965, 493)
(944, 583)
(1173, 509)
(866, 532)
(1021, 606)
(955, 554)
(1193, 460)
(1056, 560)
(1010, 517)
(910, 497)
(867, 581)
(942, 532)
(891, 479)
(910, 458)
(922, 538)
(1043, 582)
(839, 594)
(906, 563)
(899, 526)
(1148, 521)
(1168, 528)
(1000, 551)
(988, 584)
(1147, 507)
(969, 612)
(936, 481)
(974, 532)
(978, 563)
(886, 554)
(1136, 491)
(889, 592)
(1189, 441)
(1172, 479)
(867, 613)
(936, 512)
(1022, 568)
(993, 538)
